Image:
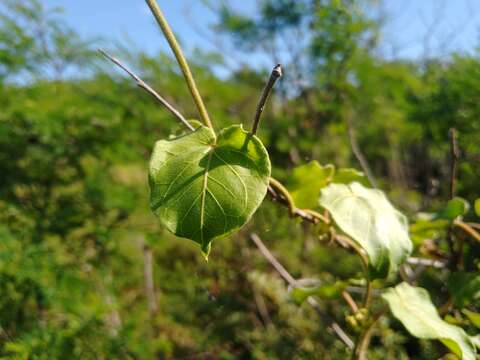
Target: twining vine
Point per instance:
(206, 185)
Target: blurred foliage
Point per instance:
(76, 229)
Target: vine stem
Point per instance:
(361, 346)
(182, 62)
(468, 229)
(280, 193)
(314, 217)
(363, 340)
(279, 188)
(274, 76)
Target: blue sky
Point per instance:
(456, 23)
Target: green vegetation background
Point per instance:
(76, 232)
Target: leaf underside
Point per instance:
(367, 217)
(203, 187)
(414, 308)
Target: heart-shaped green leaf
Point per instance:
(477, 207)
(203, 187)
(427, 229)
(367, 217)
(413, 307)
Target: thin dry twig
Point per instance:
(272, 260)
(274, 76)
(456, 254)
(348, 298)
(455, 157)
(149, 283)
(261, 306)
(143, 85)
(426, 262)
(293, 282)
(359, 154)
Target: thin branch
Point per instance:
(455, 157)
(292, 282)
(279, 193)
(426, 262)
(468, 229)
(177, 51)
(348, 298)
(456, 255)
(474, 225)
(274, 76)
(261, 306)
(149, 283)
(367, 299)
(143, 85)
(277, 188)
(113, 317)
(342, 335)
(358, 153)
(272, 260)
(351, 244)
(361, 348)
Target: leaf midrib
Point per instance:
(204, 192)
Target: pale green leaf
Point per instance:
(306, 182)
(367, 217)
(455, 208)
(427, 229)
(347, 176)
(203, 187)
(413, 307)
(464, 287)
(477, 207)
